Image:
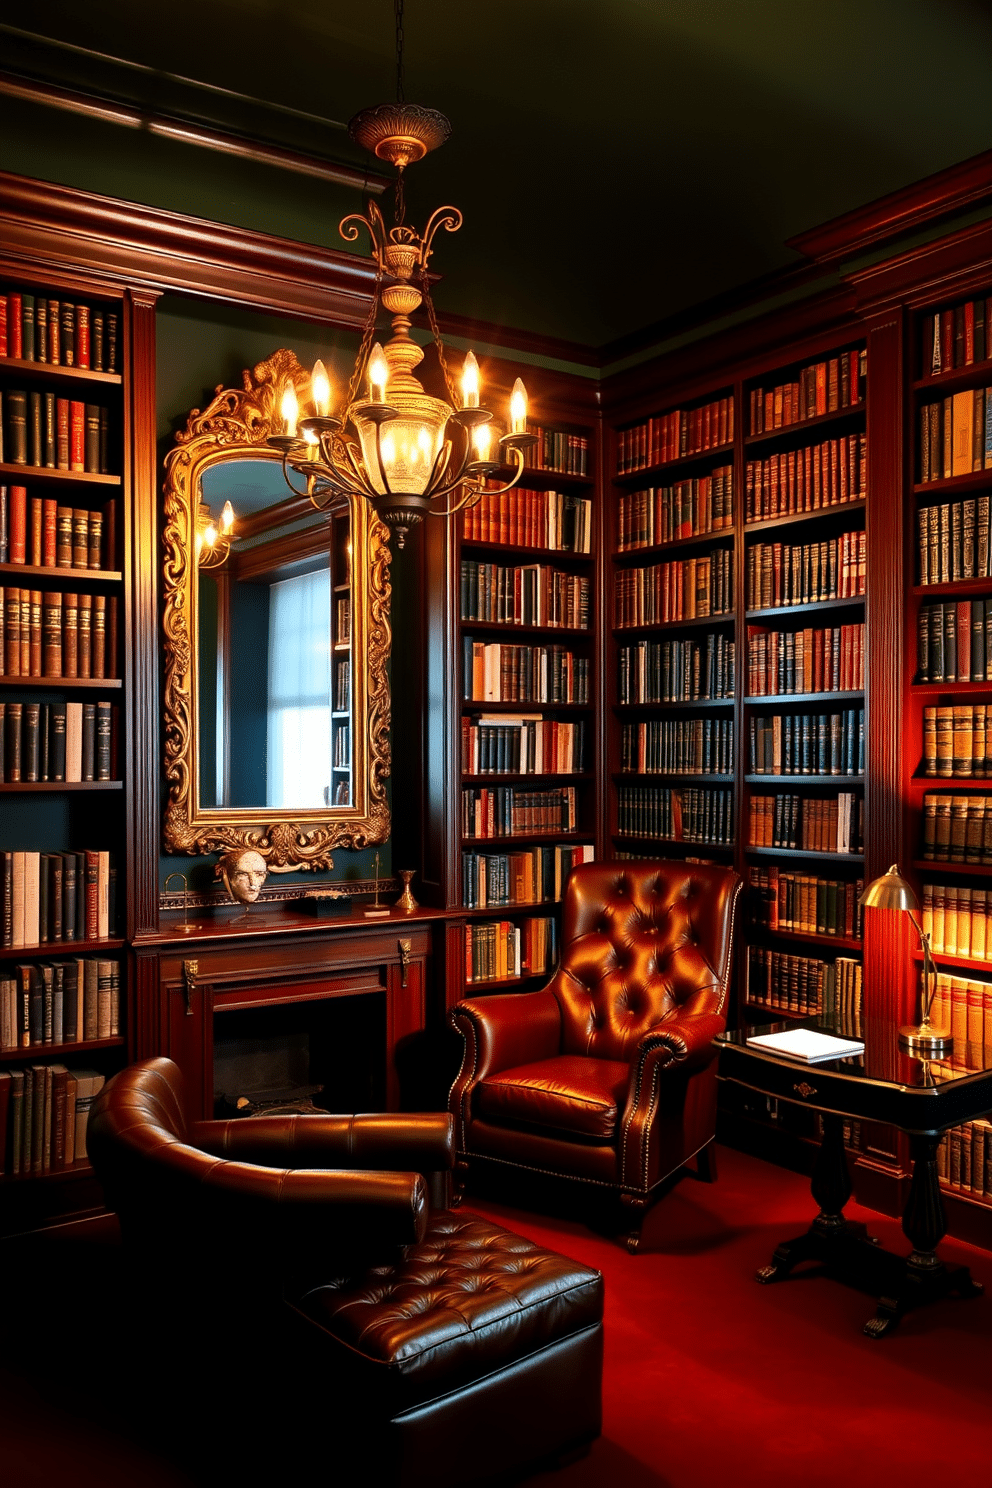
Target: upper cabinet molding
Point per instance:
(133, 244)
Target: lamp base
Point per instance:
(924, 1041)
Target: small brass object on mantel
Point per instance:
(406, 899)
(185, 927)
(378, 910)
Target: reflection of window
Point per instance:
(299, 744)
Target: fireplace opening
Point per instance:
(325, 1054)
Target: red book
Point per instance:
(62, 433)
(821, 388)
(82, 335)
(14, 325)
(18, 518)
(969, 333)
(77, 434)
(48, 532)
(3, 325)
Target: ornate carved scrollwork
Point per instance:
(237, 423)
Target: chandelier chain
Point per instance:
(436, 333)
(398, 12)
(367, 334)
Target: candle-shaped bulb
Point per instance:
(378, 374)
(290, 410)
(518, 408)
(470, 381)
(320, 389)
(210, 534)
(482, 438)
(226, 517)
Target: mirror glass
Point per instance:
(274, 650)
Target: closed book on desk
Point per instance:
(806, 1044)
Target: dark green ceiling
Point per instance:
(615, 162)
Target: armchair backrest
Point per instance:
(640, 942)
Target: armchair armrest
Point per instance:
(500, 1032)
(685, 1041)
(421, 1142)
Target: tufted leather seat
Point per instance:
(606, 1074)
(448, 1347)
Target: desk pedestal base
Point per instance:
(844, 1247)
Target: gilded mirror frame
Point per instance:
(237, 423)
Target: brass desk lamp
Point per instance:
(891, 891)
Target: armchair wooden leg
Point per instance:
(635, 1210)
(459, 1179)
(706, 1163)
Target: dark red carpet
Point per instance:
(710, 1378)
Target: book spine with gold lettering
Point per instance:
(34, 632)
(80, 538)
(70, 635)
(98, 636)
(52, 623)
(63, 537)
(84, 649)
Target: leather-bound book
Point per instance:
(73, 742)
(4, 342)
(34, 633)
(30, 744)
(27, 327)
(111, 357)
(91, 995)
(5, 1083)
(88, 770)
(55, 867)
(80, 538)
(17, 523)
(41, 329)
(102, 466)
(56, 742)
(62, 433)
(36, 529)
(63, 536)
(60, 1081)
(105, 990)
(82, 329)
(112, 651)
(12, 745)
(80, 907)
(92, 895)
(7, 899)
(104, 716)
(44, 713)
(25, 630)
(98, 636)
(67, 321)
(92, 439)
(31, 898)
(54, 333)
(95, 544)
(85, 636)
(16, 451)
(97, 340)
(4, 525)
(14, 324)
(52, 637)
(77, 435)
(49, 532)
(36, 444)
(70, 635)
(69, 908)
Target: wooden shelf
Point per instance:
(50, 371)
(809, 937)
(510, 627)
(534, 479)
(932, 689)
(61, 684)
(960, 588)
(776, 1015)
(720, 453)
(976, 374)
(514, 777)
(58, 1051)
(77, 575)
(672, 777)
(681, 842)
(807, 779)
(811, 606)
(966, 963)
(632, 556)
(975, 480)
(823, 698)
(650, 627)
(22, 474)
(58, 948)
(506, 843)
(520, 550)
(680, 706)
(490, 984)
(938, 865)
(806, 854)
(766, 524)
(61, 785)
(856, 411)
(486, 911)
(475, 705)
(951, 784)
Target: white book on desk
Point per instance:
(807, 1044)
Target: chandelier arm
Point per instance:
(285, 471)
(438, 470)
(362, 481)
(449, 218)
(368, 330)
(436, 330)
(470, 499)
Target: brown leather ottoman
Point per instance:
(478, 1354)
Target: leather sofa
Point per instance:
(438, 1347)
(606, 1075)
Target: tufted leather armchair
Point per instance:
(607, 1074)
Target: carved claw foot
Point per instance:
(883, 1322)
(765, 1274)
(633, 1241)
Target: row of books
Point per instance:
(831, 991)
(495, 672)
(522, 746)
(783, 574)
(834, 824)
(676, 671)
(957, 337)
(45, 432)
(689, 814)
(524, 594)
(56, 897)
(784, 661)
(805, 480)
(665, 592)
(676, 435)
(958, 920)
(957, 829)
(678, 746)
(507, 811)
(531, 519)
(954, 641)
(956, 435)
(807, 743)
(957, 741)
(690, 508)
(56, 332)
(964, 1159)
(823, 387)
(40, 532)
(964, 1005)
(44, 1110)
(53, 633)
(60, 1002)
(496, 951)
(342, 620)
(557, 450)
(342, 685)
(953, 541)
(341, 748)
(805, 903)
(57, 742)
(535, 876)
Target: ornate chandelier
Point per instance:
(406, 452)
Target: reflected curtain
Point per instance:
(299, 691)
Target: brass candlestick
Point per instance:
(185, 927)
(406, 899)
